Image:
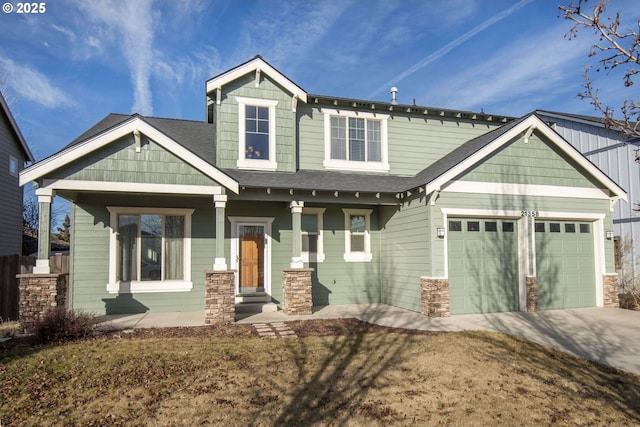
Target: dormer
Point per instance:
(253, 107)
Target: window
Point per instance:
(150, 250)
(554, 227)
(490, 226)
(256, 134)
(312, 241)
(569, 228)
(357, 224)
(13, 166)
(473, 226)
(507, 227)
(355, 140)
(539, 227)
(584, 228)
(455, 225)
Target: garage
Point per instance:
(483, 265)
(565, 264)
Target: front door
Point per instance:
(252, 267)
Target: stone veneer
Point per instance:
(435, 297)
(220, 298)
(610, 288)
(39, 293)
(532, 293)
(296, 289)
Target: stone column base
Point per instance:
(532, 293)
(296, 290)
(435, 297)
(40, 293)
(220, 297)
(610, 290)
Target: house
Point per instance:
(14, 154)
(615, 155)
(297, 199)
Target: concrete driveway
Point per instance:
(607, 335)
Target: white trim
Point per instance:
(320, 257)
(352, 165)
(256, 164)
(365, 256)
(127, 127)
(267, 223)
(114, 286)
(511, 134)
(524, 189)
(251, 66)
(42, 267)
(131, 187)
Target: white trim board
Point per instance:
(524, 190)
(129, 126)
(250, 67)
(131, 187)
(542, 128)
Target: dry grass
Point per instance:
(335, 373)
(9, 328)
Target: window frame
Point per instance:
(269, 164)
(366, 255)
(356, 165)
(14, 166)
(306, 256)
(137, 286)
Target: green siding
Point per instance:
(227, 127)
(535, 162)
(404, 253)
(414, 142)
(119, 162)
(90, 263)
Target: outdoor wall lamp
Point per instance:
(440, 232)
(609, 234)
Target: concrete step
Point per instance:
(256, 307)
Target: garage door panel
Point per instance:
(565, 266)
(483, 267)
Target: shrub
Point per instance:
(61, 324)
(628, 270)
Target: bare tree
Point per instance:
(616, 49)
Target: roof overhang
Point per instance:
(259, 66)
(16, 129)
(531, 124)
(127, 127)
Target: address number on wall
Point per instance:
(530, 213)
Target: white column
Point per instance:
(220, 263)
(45, 198)
(296, 234)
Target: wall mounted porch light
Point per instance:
(609, 234)
(440, 232)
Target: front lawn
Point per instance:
(335, 373)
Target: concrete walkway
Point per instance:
(606, 335)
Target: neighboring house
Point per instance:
(615, 155)
(14, 153)
(395, 204)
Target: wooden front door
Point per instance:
(251, 240)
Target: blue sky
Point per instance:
(67, 68)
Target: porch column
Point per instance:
(45, 197)
(220, 263)
(296, 234)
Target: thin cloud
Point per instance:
(33, 85)
(129, 23)
(450, 46)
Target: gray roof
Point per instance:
(198, 137)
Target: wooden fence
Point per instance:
(12, 265)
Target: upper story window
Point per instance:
(256, 133)
(13, 166)
(355, 141)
